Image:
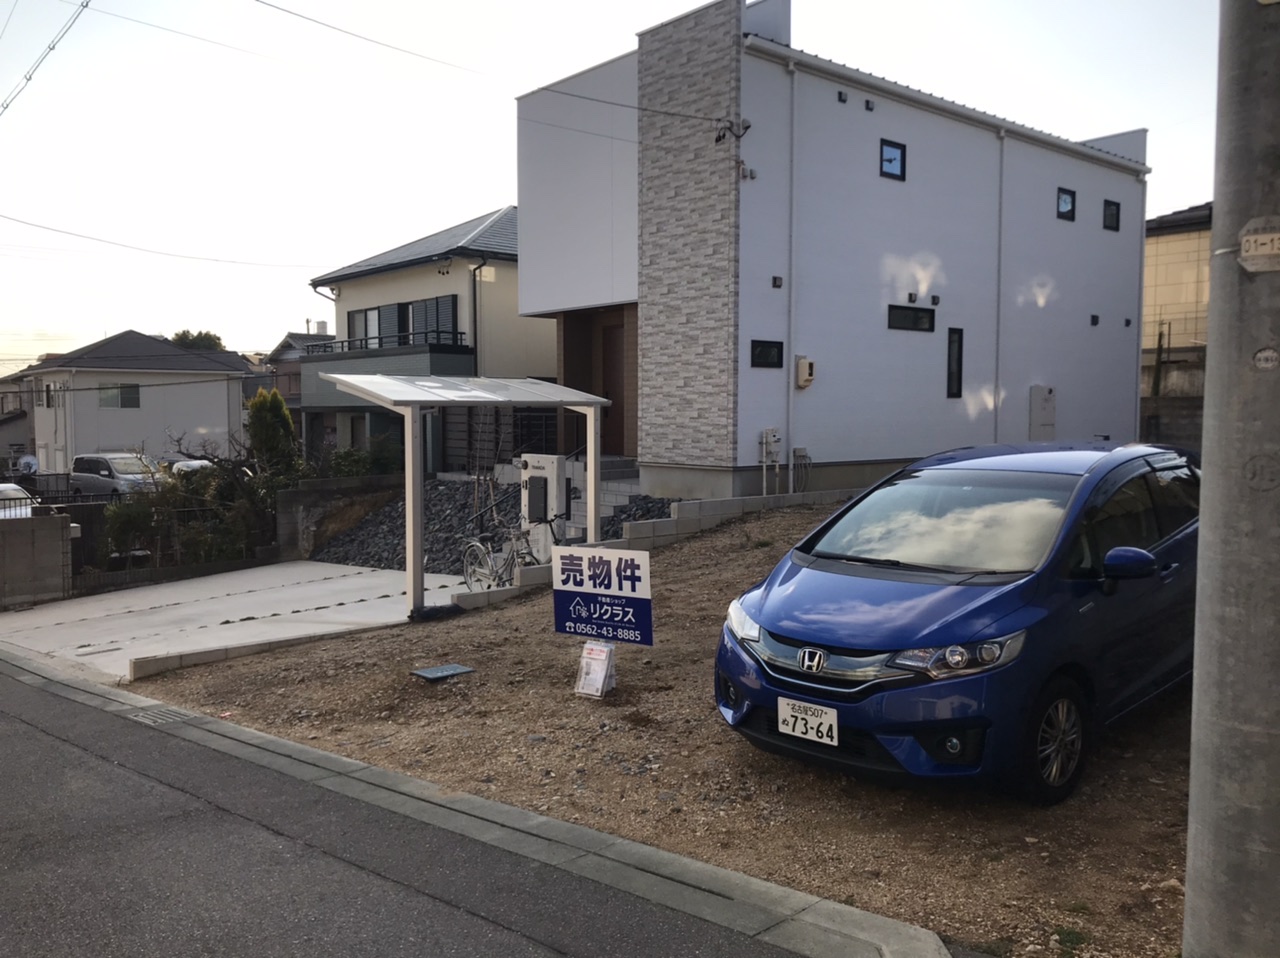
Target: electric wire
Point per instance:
(147, 23)
(26, 77)
(156, 252)
(10, 17)
(359, 36)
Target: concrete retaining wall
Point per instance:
(35, 560)
(319, 509)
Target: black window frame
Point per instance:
(767, 354)
(955, 363)
(902, 159)
(1071, 216)
(895, 309)
(1110, 207)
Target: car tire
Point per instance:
(1056, 743)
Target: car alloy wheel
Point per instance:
(1056, 743)
(1060, 742)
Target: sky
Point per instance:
(262, 138)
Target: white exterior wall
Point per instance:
(577, 163)
(862, 242)
(201, 411)
(1076, 269)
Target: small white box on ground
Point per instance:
(596, 674)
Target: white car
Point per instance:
(114, 474)
(15, 502)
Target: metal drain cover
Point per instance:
(161, 715)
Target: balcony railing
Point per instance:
(425, 337)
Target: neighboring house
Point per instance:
(740, 240)
(285, 365)
(130, 392)
(14, 431)
(442, 305)
(1175, 325)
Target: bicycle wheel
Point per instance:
(477, 568)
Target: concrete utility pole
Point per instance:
(1233, 840)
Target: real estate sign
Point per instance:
(603, 594)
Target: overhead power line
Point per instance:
(156, 26)
(360, 36)
(26, 77)
(156, 252)
(10, 17)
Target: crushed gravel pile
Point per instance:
(378, 540)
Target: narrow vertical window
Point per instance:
(1111, 215)
(955, 363)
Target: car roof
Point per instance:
(1067, 458)
(9, 486)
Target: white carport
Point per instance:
(412, 396)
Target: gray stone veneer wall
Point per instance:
(688, 216)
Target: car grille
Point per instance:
(850, 675)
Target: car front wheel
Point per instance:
(1057, 743)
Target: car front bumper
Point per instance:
(954, 728)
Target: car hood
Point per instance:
(877, 610)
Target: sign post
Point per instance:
(604, 596)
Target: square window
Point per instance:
(766, 353)
(109, 397)
(1111, 215)
(916, 318)
(1066, 204)
(893, 160)
(130, 396)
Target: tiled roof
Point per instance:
(138, 351)
(493, 235)
(1191, 220)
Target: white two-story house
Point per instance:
(131, 392)
(784, 270)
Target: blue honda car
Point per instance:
(979, 614)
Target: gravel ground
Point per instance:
(1096, 876)
(378, 540)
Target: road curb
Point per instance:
(799, 922)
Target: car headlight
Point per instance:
(741, 624)
(950, 661)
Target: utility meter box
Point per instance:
(1044, 414)
(546, 492)
(804, 372)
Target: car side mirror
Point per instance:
(1126, 562)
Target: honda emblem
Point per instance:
(812, 660)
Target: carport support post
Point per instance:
(413, 507)
(1233, 836)
(593, 469)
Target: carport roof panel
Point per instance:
(395, 391)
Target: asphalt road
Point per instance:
(119, 840)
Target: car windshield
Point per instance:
(962, 520)
(134, 466)
(13, 493)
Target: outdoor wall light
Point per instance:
(935, 299)
(842, 96)
(869, 105)
(911, 297)
(777, 282)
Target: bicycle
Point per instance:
(485, 568)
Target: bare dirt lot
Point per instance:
(1096, 876)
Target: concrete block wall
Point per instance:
(35, 560)
(689, 68)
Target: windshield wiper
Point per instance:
(879, 561)
(974, 573)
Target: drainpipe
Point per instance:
(789, 378)
(475, 306)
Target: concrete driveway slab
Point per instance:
(124, 635)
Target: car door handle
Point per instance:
(1168, 571)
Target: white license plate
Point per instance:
(814, 722)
